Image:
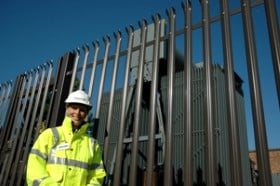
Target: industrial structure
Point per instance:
(198, 134)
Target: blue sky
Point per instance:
(34, 32)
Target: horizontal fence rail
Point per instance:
(169, 98)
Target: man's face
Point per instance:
(77, 112)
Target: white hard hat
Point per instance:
(79, 96)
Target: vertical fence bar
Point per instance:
(188, 96)
(3, 99)
(86, 51)
(14, 136)
(102, 78)
(136, 121)
(22, 134)
(168, 172)
(60, 90)
(30, 124)
(8, 122)
(153, 93)
(107, 42)
(234, 147)
(34, 127)
(112, 94)
(40, 121)
(74, 71)
(208, 95)
(16, 99)
(96, 46)
(119, 147)
(256, 97)
(3, 93)
(273, 27)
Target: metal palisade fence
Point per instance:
(168, 108)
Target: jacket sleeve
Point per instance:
(98, 173)
(36, 173)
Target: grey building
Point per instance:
(221, 128)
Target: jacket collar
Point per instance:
(67, 126)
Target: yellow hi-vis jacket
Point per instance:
(60, 157)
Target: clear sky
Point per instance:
(33, 32)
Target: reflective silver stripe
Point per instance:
(57, 160)
(38, 153)
(37, 182)
(55, 135)
(74, 163)
(92, 140)
(43, 155)
(91, 146)
(94, 166)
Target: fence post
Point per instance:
(60, 89)
(6, 130)
(273, 27)
(8, 125)
(256, 97)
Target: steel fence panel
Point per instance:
(148, 135)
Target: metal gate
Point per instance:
(165, 112)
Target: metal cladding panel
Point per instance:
(246, 172)
(221, 129)
(142, 155)
(148, 51)
(103, 117)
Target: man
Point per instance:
(67, 155)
